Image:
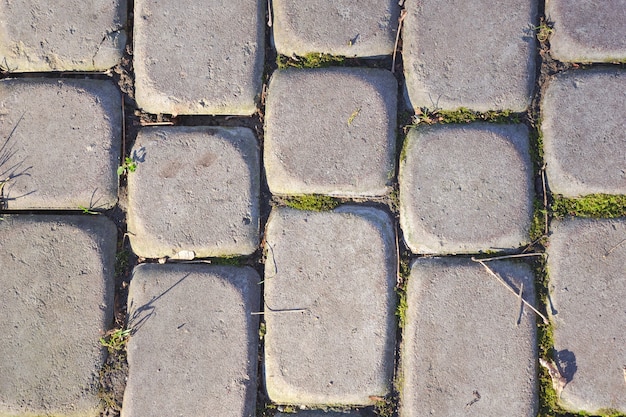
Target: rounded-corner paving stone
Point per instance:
(468, 348)
(194, 342)
(331, 131)
(59, 143)
(585, 148)
(586, 260)
(329, 306)
(342, 27)
(466, 188)
(56, 302)
(195, 189)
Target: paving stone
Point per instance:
(586, 259)
(60, 144)
(466, 188)
(586, 31)
(345, 117)
(584, 133)
(477, 54)
(339, 268)
(342, 27)
(56, 302)
(468, 349)
(195, 189)
(61, 35)
(194, 59)
(194, 346)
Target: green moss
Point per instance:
(262, 331)
(594, 205)
(538, 223)
(402, 307)
(464, 115)
(229, 261)
(385, 407)
(311, 202)
(536, 149)
(313, 60)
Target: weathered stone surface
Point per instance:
(61, 35)
(60, 143)
(337, 270)
(190, 58)
(466, 188)
(587, 31)
(56, 301)
(467, 347)
(193, 350)
(195, 189)
(586, 259)
(584, 132)
(341, 27)
(476, 54)
(331, 131)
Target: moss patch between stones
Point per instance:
(594, 205)
(311, 202)
(313, 60)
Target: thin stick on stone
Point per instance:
(545, 200)
(395, 46)
(521, 304)
(518, 255)
(269, 13)
(613, 248)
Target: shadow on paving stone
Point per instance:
(566, 361)
(10, 168)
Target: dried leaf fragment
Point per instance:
(558, 381)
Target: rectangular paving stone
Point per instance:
(331, 131)
(193, 59)
(329, 306)
(60, 143)
(341, 27)
(477, 54)
(466, 188)
(586, 259)
(585, 151)
(56, 302)
(468, 349)
(194, 345)
(196, 189)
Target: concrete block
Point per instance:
(329, 306)
(194, 346)
(331, 131)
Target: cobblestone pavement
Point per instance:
(346, 208)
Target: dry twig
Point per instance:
(395, 46)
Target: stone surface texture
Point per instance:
(338, 269)
(476, 54)
(60, 143)
(195, 189)
(344, 117)
(466, 188)
(468, 348)
(56, 301)
(585, 151)
(193, 350)
(586, 259)
(195, 59)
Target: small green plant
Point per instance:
(312, 202)
(544, 31)
(384, 406)
(313, 60)
(87, 210)
(129, 165)
(115, 340)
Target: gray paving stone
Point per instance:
(194, 59)
(342, 27)
(586, 259)
(466, 188)
(584, 133)
(56, 302)
(331, 131)
(195, 189)
(61, 35)
(586, 31)
(468, 349)
(340, 268)
(194, 346)
(60, 143)
(477, 54)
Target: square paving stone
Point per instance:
(466, 188)
(196, 189)
(586, 261)
(478, 54)
(56, 302)
(60, 143)
(468, 347)
(587, 31)
(331, 131)
(194, 344)
(61, 35)
(584, 132)
(329, 306)
(190, 58)
(341, 27)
